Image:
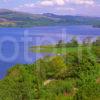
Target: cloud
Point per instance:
(71, 7)
(64, 2)
(56, 4)
(43, 3)
(47, 3)
(60, 2)
(81, 2)
(52, 2)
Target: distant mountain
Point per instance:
(10, 18)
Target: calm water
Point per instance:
(15, 42)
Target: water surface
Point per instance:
(16, 41)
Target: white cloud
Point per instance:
(82, 2)
(43, 3)
(59, 2)
(63, 2)
(71, 7)
(56, 3)
(47, 3)
(52, 2)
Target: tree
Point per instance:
(60, 44)
(97, 42)
(87, 41)
(73, 42)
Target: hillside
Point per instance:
(10, 18)
(62, 77)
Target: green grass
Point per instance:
(55, 50)
(64, 98)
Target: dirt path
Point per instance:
(48, 81)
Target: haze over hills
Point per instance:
(10, 18)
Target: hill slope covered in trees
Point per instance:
(63, 77)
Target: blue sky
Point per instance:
(65, 7)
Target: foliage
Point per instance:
(68, 77)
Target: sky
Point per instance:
(61, 7)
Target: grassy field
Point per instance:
(55, 50)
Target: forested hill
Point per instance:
(10, 18)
